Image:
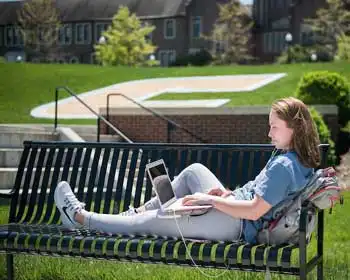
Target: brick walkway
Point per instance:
(144, 89)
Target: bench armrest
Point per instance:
(6, 194)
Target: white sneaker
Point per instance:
(130, 212)
(68, 205)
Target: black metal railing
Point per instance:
(170, 123)
(99, 117)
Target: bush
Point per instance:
(201, 58)
(300, 54)
(2, 59)
(325, 136)
(323, 87)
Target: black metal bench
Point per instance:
(109, 177)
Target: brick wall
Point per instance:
(215, 128)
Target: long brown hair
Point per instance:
(305, 138)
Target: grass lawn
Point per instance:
(24, 86)
(267, 94)
(337, 247)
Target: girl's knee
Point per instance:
(196, 167)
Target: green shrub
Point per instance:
(2, 59)
(323, 87)
(201, 58)
(325, 136)
(298, 54)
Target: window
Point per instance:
(196, 27)
(100, 27)
(273, 42)
(65, 34)
(307, 35)
(220, 44)
(166, 57)
(282, 23)
(193, 50)
(149, 36)
(169, 29)
(13, 36)
(265, 42)
(83, 33)
(261, 12)
(266, 12)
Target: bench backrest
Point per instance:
(109, 177)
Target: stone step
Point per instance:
(79, 128)
(10, 157)
(8, 176)
(16, 139)
(103, 137)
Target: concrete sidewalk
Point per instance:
(140, 90)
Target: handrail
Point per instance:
(170, 123)
(91, 110)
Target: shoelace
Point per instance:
(129, 212)
(73, 203)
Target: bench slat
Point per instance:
(78, 155)
(43, 187)
(121, 176)
(234, 170)
(130, 179)
(83, 174)
(54, 181)
(26, 184)
(92, 178)
(287, 256)
(35, 186)
(139, 182)
(246, 254)
(101, 180)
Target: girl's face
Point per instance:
(280, 134)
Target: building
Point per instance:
(179, 26)
(275, 18)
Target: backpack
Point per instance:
(321, 192)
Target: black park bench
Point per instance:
(109, 177)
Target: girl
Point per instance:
(235, 215)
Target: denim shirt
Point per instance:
(282, 176)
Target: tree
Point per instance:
(331, 23)
(231, 34)
(39, 24)
(126, 41)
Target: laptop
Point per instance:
(163, 188)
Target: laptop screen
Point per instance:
(161, 182)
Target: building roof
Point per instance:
(8, 12)
(87, 10)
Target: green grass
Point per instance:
(265, 95)
(25, 86)
(337, 257)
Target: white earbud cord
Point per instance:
(189, 254)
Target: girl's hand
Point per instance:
(219, 192)
(198, 199)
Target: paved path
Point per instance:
(141, 90)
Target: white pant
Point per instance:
(213, 225)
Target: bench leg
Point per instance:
(10, 271)
(320, 239)
(320, 270)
